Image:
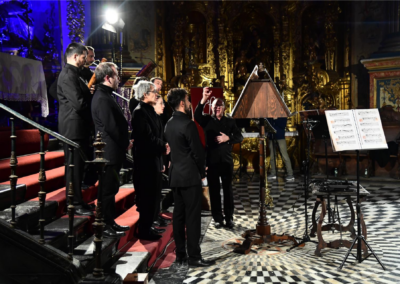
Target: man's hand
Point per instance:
(222, 138)
(92, 89)
(163, 169)
(206, 95)
(168, 149)
(130, 145)
(169, 164)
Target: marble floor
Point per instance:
(271, 263)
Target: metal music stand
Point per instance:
(321, 131)
(359, 238)
(306, 237)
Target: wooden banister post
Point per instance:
(71, 208)
(42, 192)
(13, 176)
(98, 224)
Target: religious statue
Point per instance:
(242, 63)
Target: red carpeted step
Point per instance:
(54, 180)
(30, 164)
(129, 218)
(59, 196)
(124, 200)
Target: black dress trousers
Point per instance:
(147, 187)
(109, 188)
(214, 172)
(187, 212)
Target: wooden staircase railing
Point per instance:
(99, 161)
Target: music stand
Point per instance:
(306, 237)
(355, 124)
(260, 99)
(359, 236)
(320, 131)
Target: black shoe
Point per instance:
(89, 206)
(163, 222)
(85, 186)
(83, 212)
(149, 237)
(200, 262)
(160, 223)
(120, 228)
(109, 232)
(230, 225)
(157, 231)
(168, 220)
(218, 225)
(181, 260)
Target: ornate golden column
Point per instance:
(285, 46)
(160, 47)
(276, 51)
(178, 46)
(331, 16)
(222, 49)
(210, 44)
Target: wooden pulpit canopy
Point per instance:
(260, 99)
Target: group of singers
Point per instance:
(83, 110)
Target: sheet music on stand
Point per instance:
(359, 129)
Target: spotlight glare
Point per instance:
(111, 16)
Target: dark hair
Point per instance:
(175, 96)
(89, 48)
(155, 78)
(138, 79)
(104, 69)
(75, 48)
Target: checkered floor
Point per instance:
(272, 264)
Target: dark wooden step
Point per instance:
(56, 233)
(84, 253)
(27, 214)
(5, 195)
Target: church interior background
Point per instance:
(321, 54)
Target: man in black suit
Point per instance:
(149, 146)
(110, 121)
(86, 73)
(74, 118)
(221, 133)
(185, 175)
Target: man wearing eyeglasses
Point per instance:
(110, 121)
(221, 133)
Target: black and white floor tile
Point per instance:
(271, 263)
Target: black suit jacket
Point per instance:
(109, 119)
(74, 117)
(212, 126)
(187, 153)
(149, 144)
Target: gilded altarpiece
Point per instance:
(219, 43)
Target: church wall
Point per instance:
(140, 23)
(369, 26)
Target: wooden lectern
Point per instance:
(260, 99)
